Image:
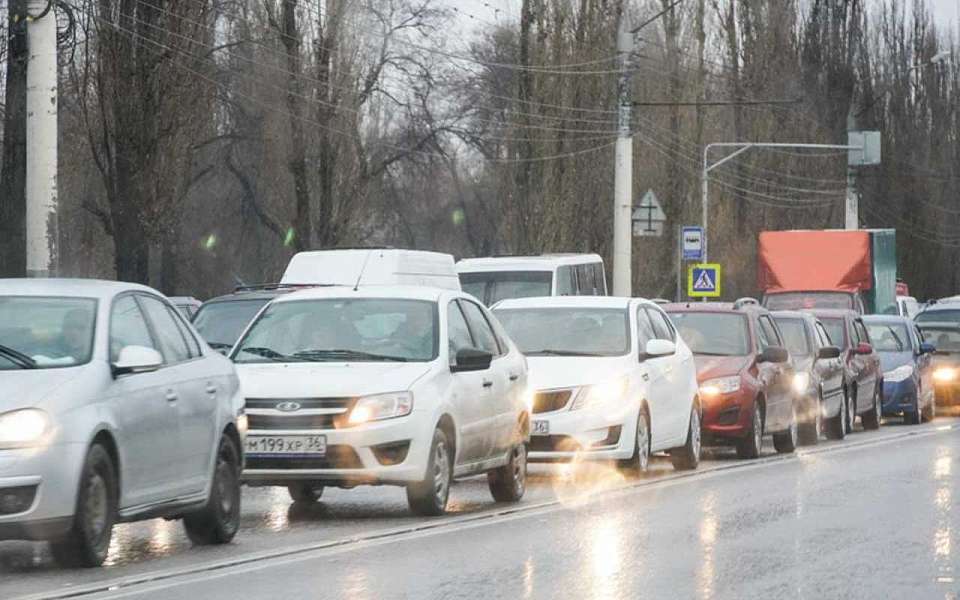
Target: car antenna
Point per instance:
(362, 269)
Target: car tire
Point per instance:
(687, 457)
(641, 447)
(509, 482)
(305, 493)
(809, 432)
(851, 412)
(785, 442)
(871, 419)
(428, 498)
(88, 541)
(930, 410)
(219, 520)
(837, 426)
(752, 444)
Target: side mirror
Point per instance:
(136, 359)
(774, 354)
(927, 348)
(657, 348)
(863, 348)
(471, 359)
(828, 352)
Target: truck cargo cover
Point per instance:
(798, 261)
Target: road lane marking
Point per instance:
(123, 587)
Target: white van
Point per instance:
(377, 266)
(499, 278)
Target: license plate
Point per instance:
(313, 445)
(540, 428)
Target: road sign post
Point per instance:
(703, 281)
(689, 248)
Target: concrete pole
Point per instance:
(41, 141)
(623, 174)
(851, 213)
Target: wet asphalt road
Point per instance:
(870, 517)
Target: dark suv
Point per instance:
(863, 377)
(744, 374)
(221, 320)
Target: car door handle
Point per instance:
(487, 383)
(211, 389)
(171, 396)
(514, 377)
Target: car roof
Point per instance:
(83, 288)
(545, 262)
(938, 324)
(941, 305)
(832, 313)
(713, 307)
(239, 295)
(793, 314)
(887, 319)
(410, 292)
(565, 302)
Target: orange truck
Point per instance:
(852, 269)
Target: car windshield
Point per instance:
(46, 332)
(494, 286)
(889, 337)
(835, 329)
(342, 329)
(221, 323)
(568, 331)
(806, 300)
(795, 336)
(944, 339)
(939, 316)
(713, 334)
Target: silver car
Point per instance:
(113, 409)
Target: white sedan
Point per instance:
(610, 379)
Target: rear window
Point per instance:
(801, 300)
(943, 339)
(942, 316)
(221, 323)
(493, 286)
(713, 334)
(889, 337)
(794, 336)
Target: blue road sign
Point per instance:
(703, 281)
(692, 240)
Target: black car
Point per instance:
(818, 376)
(221, 320)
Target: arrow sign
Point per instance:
(703, 281)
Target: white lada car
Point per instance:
(610, 378)
(407, 386)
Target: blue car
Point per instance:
(906, 360)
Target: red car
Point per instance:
(744, 374)
(863, 377)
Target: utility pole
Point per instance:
(41, 139)
(623, 172)
(851, 213)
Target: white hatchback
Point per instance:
(610, 379)
(408, 386)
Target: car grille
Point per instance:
(265, 414)
(544, 402)
(272, 423)
(337, 457)
(305, 403)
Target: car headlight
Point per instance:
(25, 427)
(381, 406)
(945, 375)
(720, 385)
(899, 374)
(600, 393)
(801, 382)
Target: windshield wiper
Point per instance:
(219, 345)
(18, 357)
(699, 353)
(271, 354)
(337, 354)
(897, 338)
(551, 352)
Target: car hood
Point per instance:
(319, 380)
(711, 367)
(552, 372)
(891, 360)
(803, 363)
(26, 388)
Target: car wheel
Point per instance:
(305, 493)
(785, 442)
(871, 418)
(752, 444)
(219, 520)
(429, 496)
(810, 431)
(851, 412)
(687, 457)
(509, 482)
(837, 426)
(88, 541)
(930, 410)
(641, 450)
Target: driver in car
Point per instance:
(415, 334)
(74, 342)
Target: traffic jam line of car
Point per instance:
(375, 367)
(158, 580)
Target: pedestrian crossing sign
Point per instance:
(703, 281)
